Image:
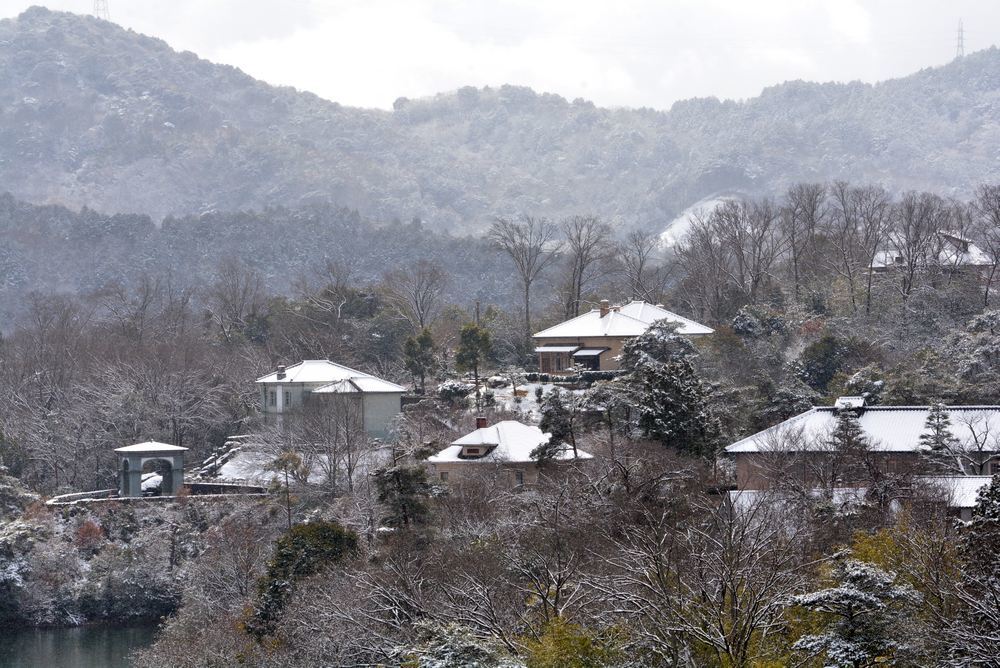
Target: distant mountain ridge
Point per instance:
(95, 115)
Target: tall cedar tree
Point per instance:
(671, 402)
(418, 355)
(474, 346)
(403, 490)
(937, 442)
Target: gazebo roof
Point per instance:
(150, 447)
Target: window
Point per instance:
(519, 478)
(994, 468)
(444, 476)
(288, 399)
(273, 398)
(472, 451)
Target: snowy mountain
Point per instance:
(92, 114)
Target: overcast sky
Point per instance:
(614, 52)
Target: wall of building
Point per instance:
(288, 396)
(380, 409)
(456, 472)
(608, 361)
(756, 470)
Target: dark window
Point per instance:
(519, 478)
(273, 398)
(444, 475)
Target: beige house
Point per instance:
(799, 447)
(504, 447)
(594, 340)
(309, 382)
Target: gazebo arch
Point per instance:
(131, 459)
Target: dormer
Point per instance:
(849, 403)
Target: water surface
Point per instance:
(80, 647)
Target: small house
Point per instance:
(505, 447)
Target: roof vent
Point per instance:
(849, 403)
(605, 307)
(281, 371)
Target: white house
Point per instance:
(295, 387)
(504, 446)
(595, 339)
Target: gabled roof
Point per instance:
(511, 442)
(150, 446)
(889, 428)
(953, 250)
(330, 375)
(632, 319)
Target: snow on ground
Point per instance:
(528, 404)
(680, 225)
(251, 466)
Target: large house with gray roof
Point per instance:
(594, 339)
(311, 382)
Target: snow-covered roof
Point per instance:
(555, 349)
(150, 446)
(953, 250)
(362, 384)
(333, 378)
(962, 491)
(889, 428)
(509, 441)
(632, 319)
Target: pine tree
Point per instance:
(403, 491)
(474, 346)
(418, 353)
(867, 618)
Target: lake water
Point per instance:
(81, 647)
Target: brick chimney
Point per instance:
(281, 371)
(605, 307)
(481, 422)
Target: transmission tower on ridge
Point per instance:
(101, 10)
(960, 42)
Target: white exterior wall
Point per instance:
(295, 395)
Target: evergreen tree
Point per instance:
(474, 346)
(866, 618)
(303, 550)
(418, 356)
(402, 490)
(937, 443)
(557, 419)
(972, 634)
(669, 400)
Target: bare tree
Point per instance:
(753, 240)
(873, 209)
(416, 293)
(917, 219)
(530, 244)
(702, 256)
(235, 298)
(636, 254)
(587, 247)
(987, 209)
(802, 215)
(842, 233)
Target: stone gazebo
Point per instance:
(132, 458)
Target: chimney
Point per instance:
(481, 422)
(281, 371)
(605, 307)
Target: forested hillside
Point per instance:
(91, 114)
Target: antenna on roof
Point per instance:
(101, 10)
(960, 41)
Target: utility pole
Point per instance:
(960, 41)
(101, 10)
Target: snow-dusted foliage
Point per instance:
(866, 616)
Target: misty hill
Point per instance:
(91, 114)
(50, 249)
